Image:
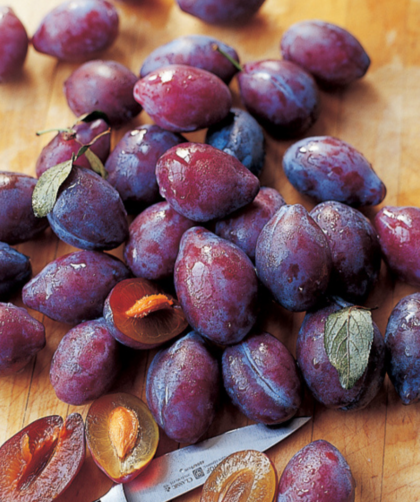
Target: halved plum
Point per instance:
(40, 461)
(122, 435)
(247, 475)
(142, 316)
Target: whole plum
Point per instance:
(402, 340)
(73, 288)
(280, 95)
(21, 337)
(182, 388)
(293, 258)
(88, 212)
(320, 375)
(221, 11)
(399, 236)
(153, 242)
(103, 85)
(13, 43)
(261, 377)
(216, 286)
(240, 135)
(183, 98)
(327, 168)
(131, 165)
(193, 50)
(18, 222)
(61, 147)
(245, 225)
(330, 53)
(355, 249)
(85, 364)
(203, 183)
(77, 30)
(15, 270)
(317, 473)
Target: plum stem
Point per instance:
(229, 58)
(68, 130)
(149, 304)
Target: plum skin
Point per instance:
(220, 12)
(73, 288)
(322, 378)
(13, 43)
(216, 286)
(261, 377)
(182, 388)
(21, 337)
(85, 364)
(15, 270)
(330, 53)
(317, 473)
(402, 339)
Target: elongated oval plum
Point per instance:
(182, 388)
(18, 222)
(261, 377)
(15, 270)
(244, 225)
(317, 473)
(61, 147)
(73, 288)
(183, 98)
(293, 258)
(280, 95)
(216, 286)
(89, 213)
(131, 165)
(399, 236)
(13, 43)
(203, 183)
(327, 168)
(221, 12)
(355, 249)
(21, 337)
(330, 53)
(240, 135)
(402, 340)
(103, 85)
(85, 364)
(320, 375)
(77, 30)
(41, 461)
(193, 50)
(153, 241)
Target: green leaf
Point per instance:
(46, 190)
(96, 163)
(92, 116)
(348, 340)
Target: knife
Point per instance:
(180, 471)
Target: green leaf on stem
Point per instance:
(92, 116)
(96, 163)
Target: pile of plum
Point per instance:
(202, 219)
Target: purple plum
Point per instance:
(15, 270)
(13, 43)
(221, 11)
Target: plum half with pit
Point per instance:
(217, 286)
(122, 435)
(317, 473)
(182, 388)
(13, 43)
(42, 460)
(21, 338)
(15, 270)
(141, 315)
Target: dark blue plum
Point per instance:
(402, 340)
(15, 270)
(240, 135)
(293, 258)
(327, 168)
(280, 95)
(244, 226)
(355, 249)
(221, 11)
(193, 50)
(131, 165)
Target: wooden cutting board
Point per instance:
(378, 115)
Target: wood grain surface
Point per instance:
(378, 115)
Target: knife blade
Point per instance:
(180, 471)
